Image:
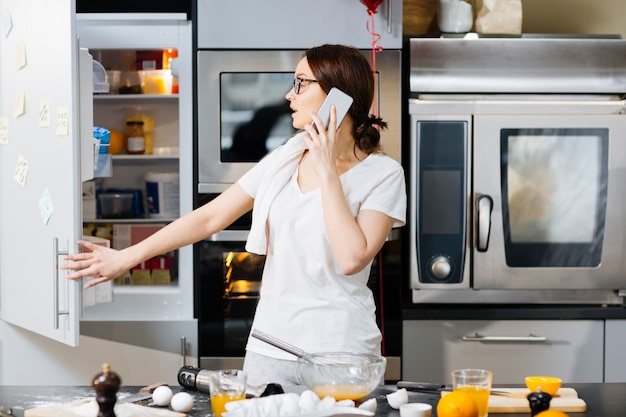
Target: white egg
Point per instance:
(162, 395)
(396, 399)
(182, 402)
(369, 405)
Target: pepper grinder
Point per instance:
(539, 401)
(106, 384)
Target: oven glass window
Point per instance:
(255, 116)
(554, 194)
(227, 289)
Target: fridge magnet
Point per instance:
(20, 54)
(44, 113)
(6, 22)
(63, 117)
(4, 130)
(20, 103)
(21, 171)
(45, 206)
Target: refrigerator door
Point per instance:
(40, 181)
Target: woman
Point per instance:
(323, 203)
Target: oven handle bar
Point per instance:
(484, 207)
(506, 339)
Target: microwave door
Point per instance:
(548, 194)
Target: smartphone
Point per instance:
(342, 103)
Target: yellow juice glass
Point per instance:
(219, 400)
(480, 396)
(225, 386)
(477, 383)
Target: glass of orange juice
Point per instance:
(225, 386)
(476, 382)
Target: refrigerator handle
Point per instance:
(484, 207)
(55, 276)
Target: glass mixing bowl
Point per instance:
(342, 375)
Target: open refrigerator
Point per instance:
(47, 153)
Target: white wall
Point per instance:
(29, 359)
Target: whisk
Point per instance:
(317, 359)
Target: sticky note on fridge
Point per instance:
(45, 206)
(20, 54)
(44, 113)
(21, 170)
(6, 22)
(4, 130)
(63, 116)
(20, 103)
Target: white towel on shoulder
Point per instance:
(273, 181)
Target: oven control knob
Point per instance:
(440, 267)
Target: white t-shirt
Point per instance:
(305, 300)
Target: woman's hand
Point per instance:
(105, 264)
(321, 143)
(99, 262)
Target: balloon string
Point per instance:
(375, 50)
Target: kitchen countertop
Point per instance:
(603, 400)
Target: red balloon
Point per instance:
(372, 5)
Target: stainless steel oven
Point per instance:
(518, 170)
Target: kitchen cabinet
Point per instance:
(512, 349)
(46, 118)
(615, 342)
(274, 24)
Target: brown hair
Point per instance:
(347, 69)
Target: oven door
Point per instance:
(549, 201)
(227, 286)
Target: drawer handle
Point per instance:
(516, 339)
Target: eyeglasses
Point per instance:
(297, 84)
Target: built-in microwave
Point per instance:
(242, 112)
